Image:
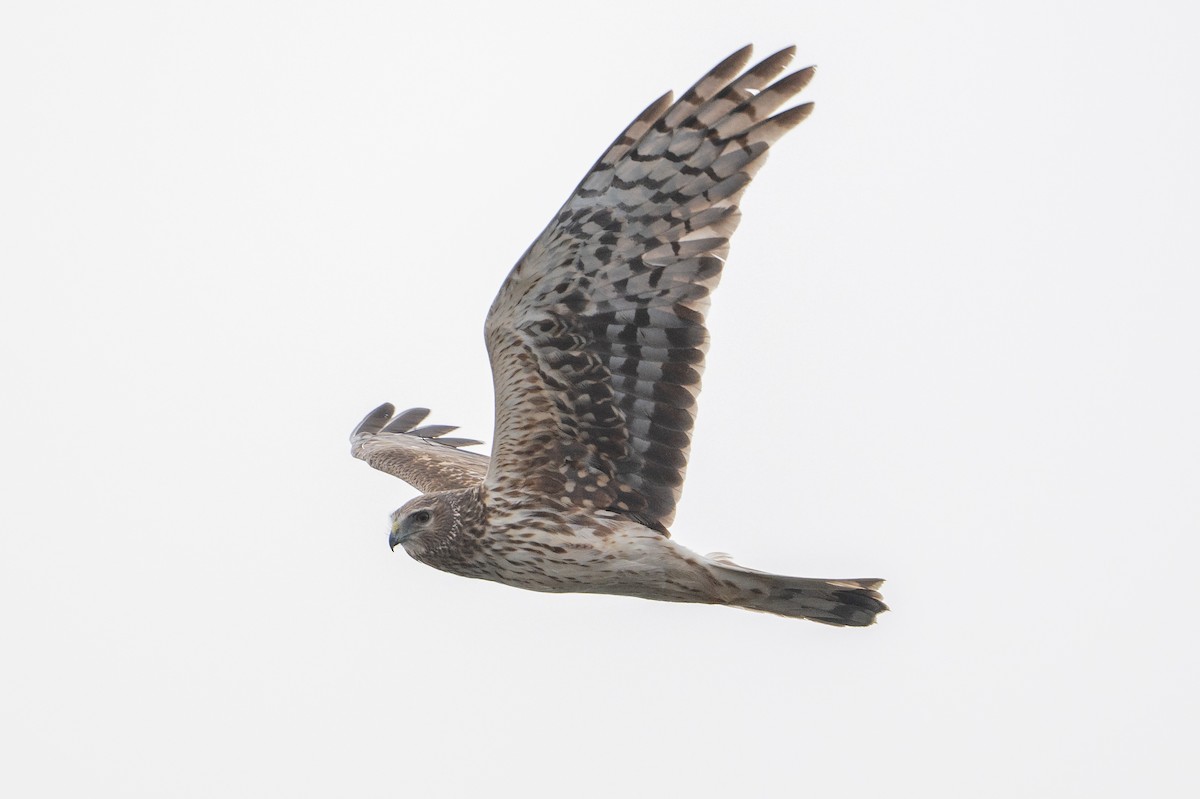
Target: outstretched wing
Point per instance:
(597, 337)
(419, 456)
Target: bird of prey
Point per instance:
(597, 343)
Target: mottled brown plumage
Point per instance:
(597, 343)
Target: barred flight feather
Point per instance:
(604, 315)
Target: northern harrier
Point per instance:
(597, 343)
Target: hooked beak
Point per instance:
(395, 538)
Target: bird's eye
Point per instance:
(421, 516)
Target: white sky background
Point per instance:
(956, 346)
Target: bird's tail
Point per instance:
(844, 603)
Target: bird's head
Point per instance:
(421, 523)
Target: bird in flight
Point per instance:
(597, 343)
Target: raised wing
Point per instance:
(597, 337)
(420, 456)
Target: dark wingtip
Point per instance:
(793, 116)
(732, 64)
(406, 420)
(432, 430)
(458, 442)
(795, 83)
(742, 54)
(374, 421)
(381, 421)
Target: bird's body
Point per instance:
(557, 550)
(597, 343)
(554, 550)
